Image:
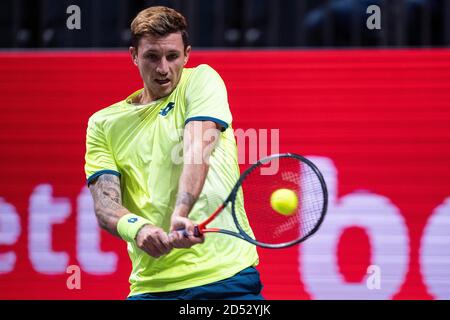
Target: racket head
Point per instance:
(265, 227)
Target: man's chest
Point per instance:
(148, 135)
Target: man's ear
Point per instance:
(133, 54)
(187, 51)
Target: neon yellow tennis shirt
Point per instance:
(142, 144)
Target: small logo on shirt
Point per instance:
(132, 220)
(164, 111)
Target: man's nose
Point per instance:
(163, 67)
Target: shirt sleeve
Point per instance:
(207, 99)
(98, 159)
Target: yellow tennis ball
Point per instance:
(284, 201)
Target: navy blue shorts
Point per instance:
(245, 285)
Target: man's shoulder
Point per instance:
(203, 76)
(203, 69)
(106, 112)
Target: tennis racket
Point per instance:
(261, 225)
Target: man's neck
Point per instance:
(144, 97)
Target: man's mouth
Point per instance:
(162, 82)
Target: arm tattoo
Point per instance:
(111, 187)
(107, 199)
(185, 198)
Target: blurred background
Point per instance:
(360, 87)
(232, 23)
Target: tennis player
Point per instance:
(144, 192)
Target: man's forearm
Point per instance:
(190, 187)
(107, 202)
(197, 151)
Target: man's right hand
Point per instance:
(153, 240)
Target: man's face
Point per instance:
(160, 61)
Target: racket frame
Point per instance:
(202, 227)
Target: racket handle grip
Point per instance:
(185, 233)
(197, 232)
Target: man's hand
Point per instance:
(177, 238)
(153, 240)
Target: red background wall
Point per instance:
(382, 117)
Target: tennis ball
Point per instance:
(284, 201)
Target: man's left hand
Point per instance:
(180, 239)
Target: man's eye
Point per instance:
(152, 57)
(173, 56)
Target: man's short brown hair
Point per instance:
(158, 21)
